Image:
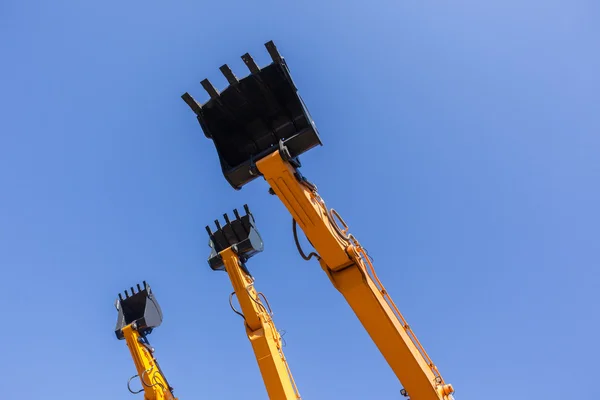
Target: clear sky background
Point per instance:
(461, 143)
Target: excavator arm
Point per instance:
(259, 126)
(139, 314)
(349, 268)
(232, 245)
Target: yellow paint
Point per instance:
(153, 382)
(264, 337)
(348, 267)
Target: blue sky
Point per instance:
(460, 143)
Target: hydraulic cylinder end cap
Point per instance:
(138, 309)
(445, 390)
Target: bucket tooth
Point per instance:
(210, 89)
(192, 103)
(275, 56)
(249, 61)
(228, 73)
(254, 116)
(140, 308)
(240, 232)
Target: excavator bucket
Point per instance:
(139, 308)
(239, 233)
(255, 116)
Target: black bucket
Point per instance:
(139, 308)
(253, 116)
(240, 232)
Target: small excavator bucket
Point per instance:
(255, 116)
(139, 308)
(240, 232)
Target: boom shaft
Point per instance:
(154, 383)
(349, 269)
(264, 337)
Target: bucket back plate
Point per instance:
(249, 118)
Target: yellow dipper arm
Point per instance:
(154, 383)
(350, 270)
(264, 337)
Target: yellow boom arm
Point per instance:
(154, 383)
(264, 337)
(350, 270)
